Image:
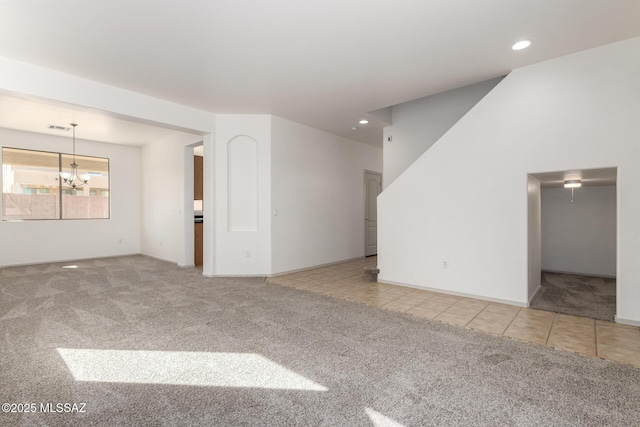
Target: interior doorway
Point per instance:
(198, 200)
(372, 187)
(578, 239)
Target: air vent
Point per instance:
(56, 127)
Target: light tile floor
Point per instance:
(612, 341)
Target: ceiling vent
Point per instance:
(56, 127)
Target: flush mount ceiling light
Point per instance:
(363, 121)
(573, 183)
(354, 128)
(522, 44)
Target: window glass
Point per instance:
(30, 184)
(92, 199)
(32, 187)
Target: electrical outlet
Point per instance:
(445, 264)
(248, 254)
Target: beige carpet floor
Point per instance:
(578, 295)
(137, 341)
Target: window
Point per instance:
(32, 188)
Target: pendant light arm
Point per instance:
(73, 179)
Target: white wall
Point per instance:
(209, 255)
(418, 124)
(163, 192)
(579, 237)
(247, 252)
(40, 241)
(465, 199)
(317, 195)
(534, 236)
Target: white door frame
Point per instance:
(364, 202)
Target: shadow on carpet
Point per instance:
(585, 296)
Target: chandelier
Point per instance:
(72, 178)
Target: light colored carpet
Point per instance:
(142, 342)
(578, 295)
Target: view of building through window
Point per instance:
(32, 188)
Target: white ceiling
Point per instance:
(321, 63)
(589, 177)
(32, 115)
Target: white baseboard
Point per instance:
(62, 261)
(282, 273)
(604, 276)
(161, 259)
(234, 275)
(534, 295)
(459, 294)
(627, 321)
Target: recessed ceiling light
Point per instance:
(363, 121)
(354, 128)
(522, 44)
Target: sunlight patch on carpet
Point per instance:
(380, 420)
(183, 368)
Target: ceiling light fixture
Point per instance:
(56, 127)
(354, 128)
(363, 121)
(522, 44)
(573, 183)
(72, 178)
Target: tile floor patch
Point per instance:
(346, 281)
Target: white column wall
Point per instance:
(244, 253)
(534, 236)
